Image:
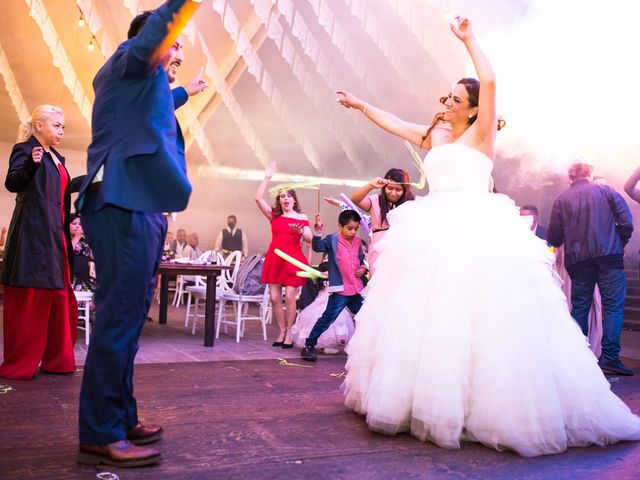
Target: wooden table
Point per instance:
(212, 272)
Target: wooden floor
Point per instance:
(235, 411)
(261, 419)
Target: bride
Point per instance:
(477, 343)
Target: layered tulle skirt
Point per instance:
(465, 335)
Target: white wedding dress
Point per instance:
(465, 334)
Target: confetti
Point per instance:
(282, 361)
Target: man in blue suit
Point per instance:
(136, 170)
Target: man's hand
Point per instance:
(196, 84)
(361, 271)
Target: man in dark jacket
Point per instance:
(594, 223)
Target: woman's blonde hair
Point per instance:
(42, 112)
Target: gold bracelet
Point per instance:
(364, 110)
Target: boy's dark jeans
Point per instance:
(335, 305)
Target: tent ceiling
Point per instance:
(315, 139)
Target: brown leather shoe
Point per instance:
(121, 454)
(143, 434)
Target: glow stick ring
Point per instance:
(363, 222)
(310, 275)
(299, 264)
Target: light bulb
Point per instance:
(81, 22)
(91, 47)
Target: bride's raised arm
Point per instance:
(484, 128)
(412, 132)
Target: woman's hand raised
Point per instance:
(271, 170)
(349, 100)
(461, 28)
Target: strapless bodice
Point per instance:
(454, 166)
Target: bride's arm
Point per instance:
(485, 126)
(412, 132)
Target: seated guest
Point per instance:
(192, 250)
(167, 249)
(532, 211)
(83, 271)
(180, 243)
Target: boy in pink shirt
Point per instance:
(345, 255)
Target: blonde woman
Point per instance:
(40, 310)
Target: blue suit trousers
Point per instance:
(127, 248)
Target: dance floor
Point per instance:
(249, 411)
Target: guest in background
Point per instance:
(532, 212)
(599, 180)
(3, 237)
(232, 238)
(594, 223)
(40, 311)
(395, 189)
(167, 250)
(180, 243)
(192, 251)
(289, 227)
(84, 277)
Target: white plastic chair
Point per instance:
(198, 292)
(241, 303)
(241, 314)
(84, 300)
(181, 281)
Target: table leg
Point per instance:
(164, 299)
(210, 311)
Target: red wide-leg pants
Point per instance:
(39, 325)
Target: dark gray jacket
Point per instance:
(593, 222)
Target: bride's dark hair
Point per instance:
(472, 86)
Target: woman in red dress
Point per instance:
(289, 227)
(40, 313)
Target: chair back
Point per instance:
(206, 257)
(228, 277)
(248, 279)
(233, 260)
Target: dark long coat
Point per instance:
(34, 251)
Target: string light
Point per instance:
(93, 42)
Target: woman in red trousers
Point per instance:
(40, 314)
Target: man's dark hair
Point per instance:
(232, 216)
(137, 23)
(347, 216)
(531, 208)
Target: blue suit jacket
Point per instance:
(135, 134)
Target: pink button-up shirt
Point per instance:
(348, 263)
